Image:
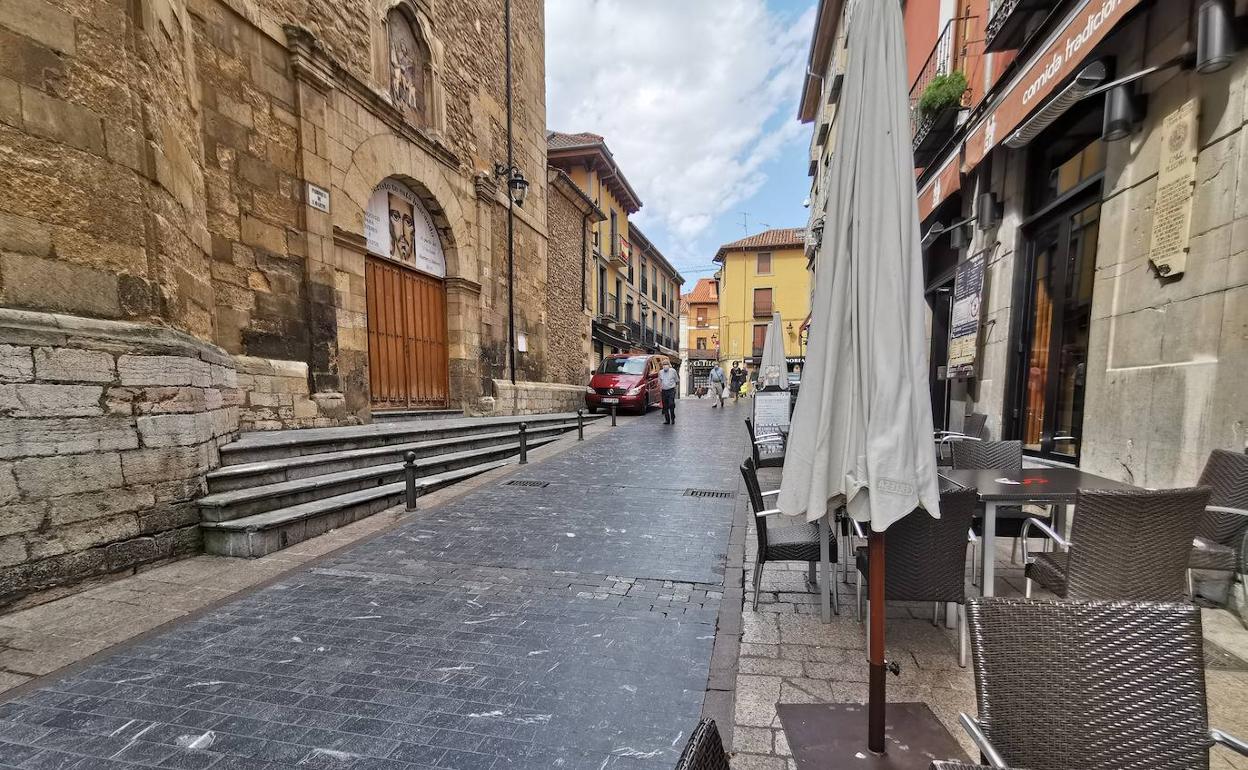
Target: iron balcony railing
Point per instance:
(949, 55)
(1008, 22)
(612, 309)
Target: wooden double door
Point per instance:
(407, 352)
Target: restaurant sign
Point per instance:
(942, 184)
(1063, 55)
(1176, 182)
(968, 287)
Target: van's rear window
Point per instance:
(623, 366)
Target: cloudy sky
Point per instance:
(697, 100)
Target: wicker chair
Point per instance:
(1104, 685)
(704, 751)
(993, 455)
(1222, 528)
(1132, 545)
(972, 430)
(768, 451)
(925, 559)
(796, 542)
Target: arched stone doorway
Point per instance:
(405, 286)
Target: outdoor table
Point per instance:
(1044, 486)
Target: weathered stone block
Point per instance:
(65, 436)
(70, 509)
(174, 429)
(41, 22)
(132, 552)
(53, 285)
(168, 517)
(62, 121)
(152, 466)
(47, 400)
(8, 485)
(52, 476)
(155, 370)
(12, 550)
(72, 538)
(16, 364)
(74, 365)
(24, 236)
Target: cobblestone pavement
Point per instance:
(569, 625)
(787, 655)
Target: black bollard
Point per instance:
(613, 415)
(524, 444)
(580, 424)
(409, 471)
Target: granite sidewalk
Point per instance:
(567, 621)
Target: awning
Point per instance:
(943, 183)
(604, 334)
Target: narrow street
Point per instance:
(565, 622)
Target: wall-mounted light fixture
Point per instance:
(1215, 36)
(959, 238)
(517, 185)
(1124, 112)
(989, 210)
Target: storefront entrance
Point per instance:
(407, 353)
(1054, 294)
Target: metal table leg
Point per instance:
(988, 572)
(825, 571)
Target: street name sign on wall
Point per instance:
(968, 287)
(1176, 182)
(399, 227)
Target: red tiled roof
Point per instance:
(705, 290)
(784, 237)
(559, 140)
(565, 150)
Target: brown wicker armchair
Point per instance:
(1222, 528)
(1130, 545)
(972, 430)
(993, 455)
(925, 559)
(704, 751)
(767, 451)
(798, 541)
(1104, 685)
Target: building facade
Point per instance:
(1081, 183)
(225, 215)
(701, 338)
(759, 275)
(571, 219)
(633, 291)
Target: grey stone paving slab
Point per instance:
(463, 638)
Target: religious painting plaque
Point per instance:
(399, 227)
(1176, 183)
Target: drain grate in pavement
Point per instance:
(715, 493)
(526, 483)
(1222, 659)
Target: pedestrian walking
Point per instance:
(736, 380)
(717, 380)
(668, 381)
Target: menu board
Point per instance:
(1176, 182)
(771, 412)
(968, 288)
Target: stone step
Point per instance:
(245, 475)
(264, 533)
(414, 415)
(272, 445)
(240, 503)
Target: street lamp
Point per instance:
(517, 184)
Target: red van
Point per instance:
(628, 380)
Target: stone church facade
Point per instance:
(224, 215)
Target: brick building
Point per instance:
(222, 215)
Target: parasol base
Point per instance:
(833, 736)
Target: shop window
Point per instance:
(701, 343)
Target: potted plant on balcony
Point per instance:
(943, 92)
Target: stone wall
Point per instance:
(568, 320)
(106, 431)
(533, 398)
(273, 395)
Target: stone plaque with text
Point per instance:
(1176, 182)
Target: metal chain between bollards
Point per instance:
(409, 473)
(580, 424)
(524, 444)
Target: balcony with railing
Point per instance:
(621, 252)
(1011, 22)
(612, 311)
(940, 91)
(762, 307)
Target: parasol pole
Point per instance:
(875, 651)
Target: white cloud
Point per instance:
(694, 98)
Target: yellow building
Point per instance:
(759, 275)
(629, 286)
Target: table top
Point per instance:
(1050, 485)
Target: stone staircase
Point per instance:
(278, 488)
